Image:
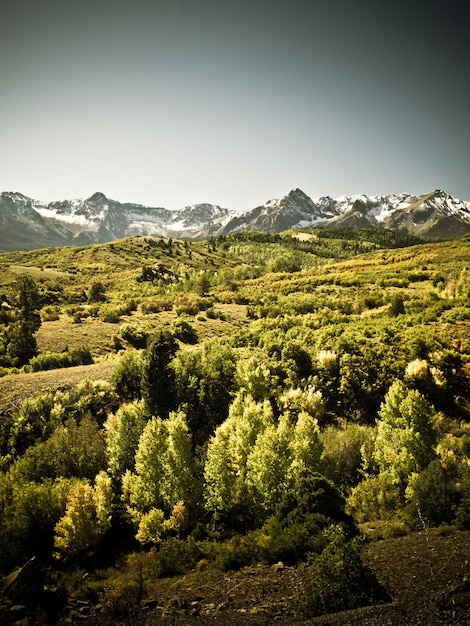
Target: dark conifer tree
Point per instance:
(158, 378)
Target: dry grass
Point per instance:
(17, 387)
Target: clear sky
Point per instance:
(176, 102)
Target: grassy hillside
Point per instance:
(258, 398)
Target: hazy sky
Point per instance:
(175, 102)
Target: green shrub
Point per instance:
(433, 496)
(340, 581)
(56, 360)
(135, 335)
(156, 305)
(110, 314)
(183, 331)
(50, 313)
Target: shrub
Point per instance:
(376, 497)
(136, 336)
(56, 360)
(183, 331)
(156, 305)
(127, 376)
(433, 496)
(97, 292)
(396, 307)
(341, 460)
(110, 314)
(340, 581)
(50, 314)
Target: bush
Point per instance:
(156, 305)
(136, 336)
(183, 331)
(340, 581)
(127, 376)
(376, 497)
(97, 292)
(50, 314)
(110, 314)
(57, 360)
(433, 496)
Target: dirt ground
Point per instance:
(427, 575)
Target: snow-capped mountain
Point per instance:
(26, 223)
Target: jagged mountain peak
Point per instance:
(14, 196)
(27, 223)
(98, 196)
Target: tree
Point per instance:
(20, 339)
(254, 377)
(280, 454)
(406, 437)
(204, 380)
(97, 292)
(163, 467)
(86, 519)
(226, 466)
(158, 378)
(127, 377)
(123, 431)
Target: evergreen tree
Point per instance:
(21, 342)
(158, 378)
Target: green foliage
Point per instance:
(301, 383)
(280, 454)
(127, 376)
(28, 514)
(341, 459)
(39, 416)
(376, 497)
(183, 331)
(33, 421)
(204, 380)
(397, 307)
(86, 519)
(97, 292)
(432, 496)
(340, 582)
(72, 450)
(227, 454)
(19, 340)
(164, 474)
(135, 335)
(158, 378)
(110, 314)
(123, 432)
(254, 377)
(405, 434)
(55, 360)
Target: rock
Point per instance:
(277, 567)
(148, 605)
(24, 586)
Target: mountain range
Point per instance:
(27, 224)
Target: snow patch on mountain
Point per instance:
(33, 223)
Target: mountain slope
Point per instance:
(28, 224)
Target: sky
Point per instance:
(175, 102)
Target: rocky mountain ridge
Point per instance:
(26, 223)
